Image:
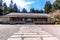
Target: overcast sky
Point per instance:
(36, 4)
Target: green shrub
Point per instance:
(58, 23)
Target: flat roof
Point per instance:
(27, 15)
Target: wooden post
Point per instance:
(25, 20)
(37, 20)
(33, 20)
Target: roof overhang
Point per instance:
(27, 15)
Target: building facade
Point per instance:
(27, 18)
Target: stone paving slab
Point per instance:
(25, 33)
(50, 38)
(31, 33)
(32, 38)
(14, 39)
(43, 32)
(16, 36)
(46, 36)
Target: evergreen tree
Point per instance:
(24, 10)
(5, 8)
(1, 1)
(32, 10)
(37, 11)
(1, 7)
(56, 5)
(15, 8)
(41, 11)
(48, 7)
(11, 6)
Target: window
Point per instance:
(15, 19)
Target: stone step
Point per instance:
(32, 34)
(50, 38)
(30, 30)
(14, 39)
(16, 36)
(25, 36)
(41, 38)
(24, 33)
(24, 39)
(41, 33)
(32, 38)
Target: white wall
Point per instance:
(4, 19)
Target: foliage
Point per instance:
(11, 6)
(5, 9)
(48, 7)
(15, 8)
(57, 23)
(56, 5)
(1, 7)
(1, 1)
(24, 10)
(41, 11)
(32, 10)
(37, 11)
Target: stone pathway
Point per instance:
(31, 33)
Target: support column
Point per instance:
(33, 20)
(37, 20)
(25, 20)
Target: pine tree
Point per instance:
(24, 10)
(56, 5)
(5, 8)
(15, 8)
(48, 7)
(1, 1)
(32, 10)
(41, 11)
(1, 7)
(11, 6)
(37, 11)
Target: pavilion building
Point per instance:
(34, 18)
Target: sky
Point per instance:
(27, 4)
